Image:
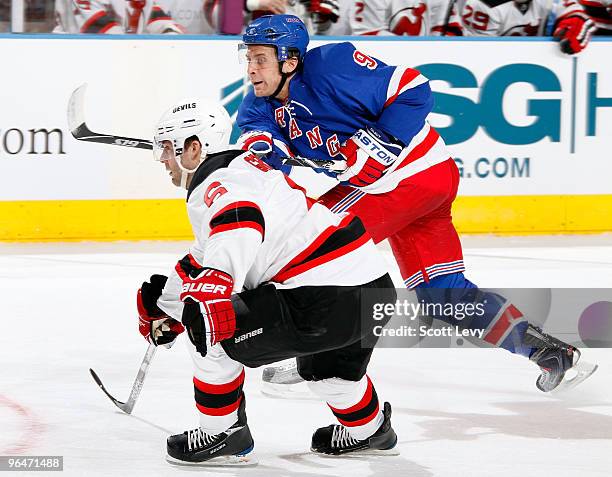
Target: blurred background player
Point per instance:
(600, 12)
(335, 102)
(405, 17)
(565, 20)
(304, 275)
(321, 17)
(113, 17)
(190, 14)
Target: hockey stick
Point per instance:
(80, 131)
(78, 126)
(136, 387)
(447, 16)
(327, 164)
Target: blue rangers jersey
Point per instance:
(339, 91)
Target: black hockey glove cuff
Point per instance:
(194, 323)
(148, 295)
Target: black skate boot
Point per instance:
(231, 447)
(555, 358)
(335, 439)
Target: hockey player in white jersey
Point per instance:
(301, 275)
(189, 14)
(405, 17)
(565, 20)
(600, 12)
(113, 17)
(322, 17)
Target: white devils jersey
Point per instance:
(405, 17)
(189, 14)
(600, 12)
(511, 18)
(299, 8)
(113, 17)
(253, 222)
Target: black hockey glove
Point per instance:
(194, 323)
(154, 325)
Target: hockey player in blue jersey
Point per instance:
(336, 103)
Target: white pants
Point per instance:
(218, 382)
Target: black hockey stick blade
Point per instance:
(116, 402)
(327, 164)
(80, 131)
(78, 126)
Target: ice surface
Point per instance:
(468, 412)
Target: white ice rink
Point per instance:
(457, 412)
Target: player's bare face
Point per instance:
(263, 69)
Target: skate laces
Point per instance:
(197, 438)
(341, 438)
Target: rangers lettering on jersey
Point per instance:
(359, 93)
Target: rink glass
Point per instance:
(29, 16)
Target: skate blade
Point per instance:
(240, 460)
(574, 376)
(362, 453)
(287, 391)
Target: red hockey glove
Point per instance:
(369, 153)
(211, 289)
(325, 9)
(258, 142)
(154, 325)
(574, 32)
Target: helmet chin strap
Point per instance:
(284, 78)
(185, 172)
(184, 176)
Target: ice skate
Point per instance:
(559, 362)
(335, 440)
(284, 382)
(229, 448)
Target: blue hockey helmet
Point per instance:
(285, 32)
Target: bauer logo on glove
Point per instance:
(208, 313)
(195, 287)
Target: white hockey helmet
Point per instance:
(207, 120)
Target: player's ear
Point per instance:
(290, 65)
(195, 145)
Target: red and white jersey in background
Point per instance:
(113, 17)
(404, 17)
(190, 14)
(511, 18)
(254, 223)
(601, 13)
(299, 8)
